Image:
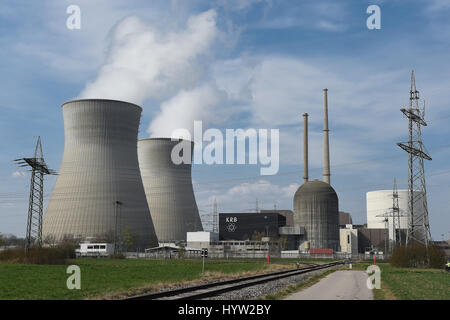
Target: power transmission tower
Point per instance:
(418, 224)
(35, 205)
(387, 242)
(396, 216)
(393, 215)
(215, 217)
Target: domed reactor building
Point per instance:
(168, 187)
(99, 194)
(316, 205)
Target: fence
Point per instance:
(249, 255)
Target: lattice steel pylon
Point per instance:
(393, 215)
(35, 205)
(396, 216)
(418, 224)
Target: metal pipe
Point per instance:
(305, 147)
(326, 146)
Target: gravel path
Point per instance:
(340, 285)
(264, 289)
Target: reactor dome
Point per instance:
(316, 207)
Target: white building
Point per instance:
(201, 239)
(348, 238)
(381, 201)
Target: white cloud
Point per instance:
(183, 109)
(18, 174)
(242, 197)
(145, 62)
(438, 5)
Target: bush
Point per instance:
(117, 256)
(57, 255)
(415, 256)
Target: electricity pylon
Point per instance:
(215, 217)
(418, 224)
(35, 205)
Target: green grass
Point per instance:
(411, 284)
(103, 276)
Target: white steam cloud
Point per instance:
(182, 110)
(144, 62)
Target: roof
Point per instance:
(315, 187)
(171, 247)
(100, 100)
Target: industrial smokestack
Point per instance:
(305, 147)
(326, 146)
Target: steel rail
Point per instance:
(219, 287)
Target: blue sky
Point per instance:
(236, 64)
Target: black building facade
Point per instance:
(245, 226)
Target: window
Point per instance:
(96, 247)
(103, 247)
(90, 247)
(348, 238)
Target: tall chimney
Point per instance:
(326, 147)
(305, 147)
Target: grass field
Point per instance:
(104, 277)
(412, 284)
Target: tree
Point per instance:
(257, 236)
(128, 237)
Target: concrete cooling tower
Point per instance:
(99, 192)
(168, 188)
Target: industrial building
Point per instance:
(248, 226)
(348, 238)
(345, 218)
(316, 205)
(233, 248)
(379, 203)
(288, 214)
(371, 239)
(99, 192)
(168, 188)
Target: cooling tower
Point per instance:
(99, 192)
(168, 188)
(379, 203)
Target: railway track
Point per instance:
(216, 288)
